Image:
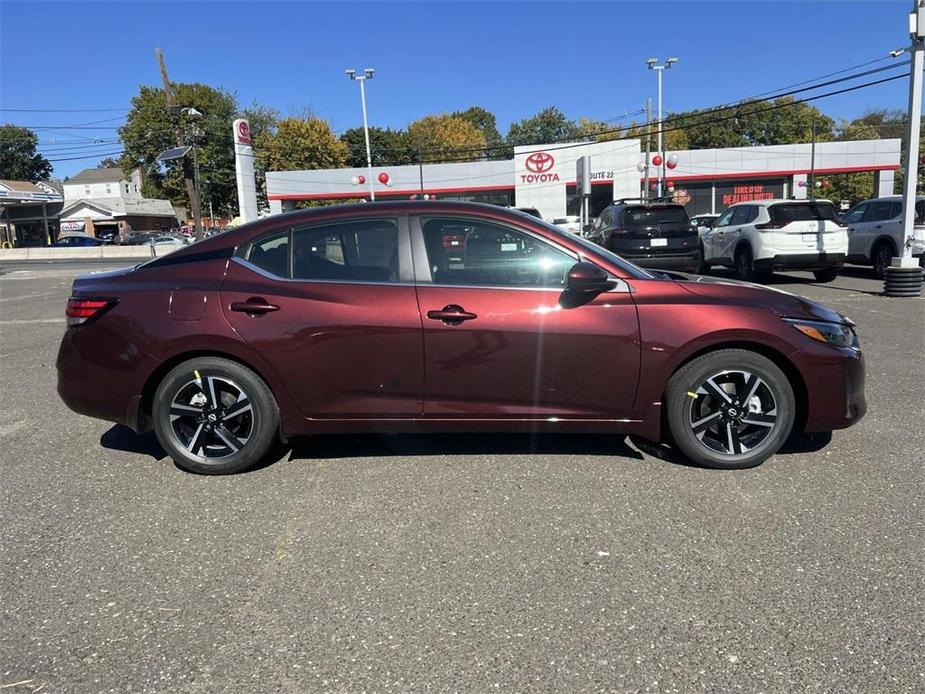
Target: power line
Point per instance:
(89, 156)
(63, 110)
(772, 107)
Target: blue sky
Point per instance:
(512, 58)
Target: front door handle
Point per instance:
(254, 305)
(451, 314)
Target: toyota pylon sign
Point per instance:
(244, 170)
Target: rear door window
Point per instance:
(270, 253)
(355, 251)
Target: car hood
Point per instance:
(783, 303)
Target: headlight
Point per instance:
(837, 334)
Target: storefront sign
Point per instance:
(538, 165)
(747, 193)
(72, 226)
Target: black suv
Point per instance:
(651, 233)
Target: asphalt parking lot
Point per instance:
(461, 563)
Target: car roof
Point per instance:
(780, 201)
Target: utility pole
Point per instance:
(173, 110)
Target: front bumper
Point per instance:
(835, 384)
(801, 261)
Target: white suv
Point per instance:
(758, 237)
(875, 231)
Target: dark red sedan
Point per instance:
(361, 318)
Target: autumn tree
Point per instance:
(446, 137)
(19, 158)
(300, 143)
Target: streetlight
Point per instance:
(653, 65)
(367, 75)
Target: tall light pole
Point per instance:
(659, 69)
(903, 277)
(367, 75)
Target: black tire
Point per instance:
(725, 437)
(826, 275)
(744, 265)
(214, 416)
(703, 267)
(880, 258)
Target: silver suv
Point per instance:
(875, 231)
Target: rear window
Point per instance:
(785, 213)
(647, 216)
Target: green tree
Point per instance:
(300, 143)
(19, 160)
(387, 147)
(149, 130)
(549, 125)
(108, 163)
(485, 121)
(446, 137)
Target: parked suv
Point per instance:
(875, 231)
(758, 237)
(651, 233)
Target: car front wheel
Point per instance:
(215, 416)
(730, 409)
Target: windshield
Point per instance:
(649, 216)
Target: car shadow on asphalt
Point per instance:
(334, 446)
(121, 438)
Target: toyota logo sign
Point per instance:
(539, 162)
(539, 165)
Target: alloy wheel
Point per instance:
(212, 417)
(732, 412)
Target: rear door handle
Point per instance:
(451, 314)
(254, 305)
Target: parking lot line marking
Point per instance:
(29, 321)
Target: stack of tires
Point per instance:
(903, 281)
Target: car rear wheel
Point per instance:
(880, 258)
(826, 275)
(730, 409)
(215, 416)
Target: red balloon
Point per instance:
(671, 164)
(669, 183)
(657, 160)
(383, 178)
(361, 179)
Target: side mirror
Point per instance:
(588, 278)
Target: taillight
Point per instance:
(81, 310)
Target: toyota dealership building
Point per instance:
(543, 176)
